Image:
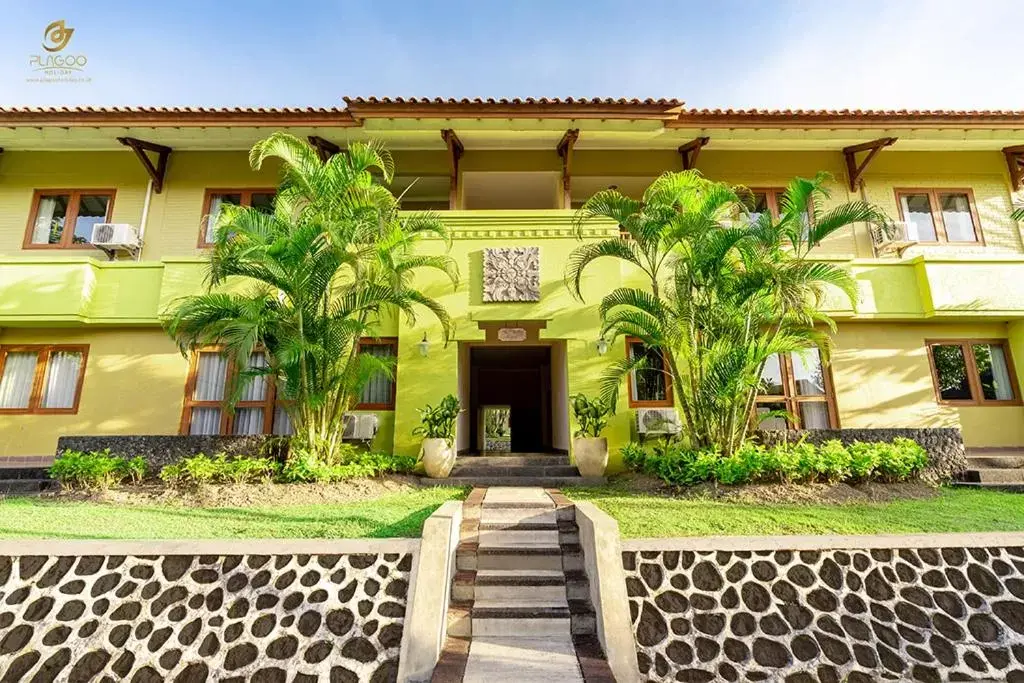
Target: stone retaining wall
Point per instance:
(165, 450)
(945, 445)
(286, 615)
(933, 609)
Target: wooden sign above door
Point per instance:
(512, 334)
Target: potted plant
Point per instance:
(438, 431)
(590, 449)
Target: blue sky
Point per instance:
(715, 53)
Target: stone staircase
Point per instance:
(520, 605)
(994, 468)
(526, 469)
(25, 481)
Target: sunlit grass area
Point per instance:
(396, 515)
(952, 510)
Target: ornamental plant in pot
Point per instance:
(589, 447)
(438, 431)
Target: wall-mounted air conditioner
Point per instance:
(360, 426)
(115, 237)
(657, 421)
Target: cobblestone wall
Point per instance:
(192, 618)
(922, 614)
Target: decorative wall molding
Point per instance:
(511, 274)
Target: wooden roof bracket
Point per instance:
(455, 151)
(156, 171)
(325, 149)
(691, 150)
(565, 148)
(1015, 164)
(853, 170)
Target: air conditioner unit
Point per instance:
(115, 236)
(892, 238)
(360, 426)
(656, 421)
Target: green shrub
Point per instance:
(202, 469)
(829, 462)
(303, 466)
(96, 469)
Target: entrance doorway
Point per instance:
(519, 377)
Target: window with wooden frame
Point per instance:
(800, 385)
(940, 216)
(379, 392)
(975, 372)
(769, 200)
(211, 375)
(63, 219)
(651, 386)
(260, 198)
(42, 378)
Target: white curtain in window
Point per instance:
(211, 377)
(44, 220)
(814, 415)
(16, 382)
(1001, 374)
(378, 389)
(256, 389)
(808, 374)
(248, 421)
(205, 421)
(61, 379)
(956, 217)
(282, 423)
(216, 202)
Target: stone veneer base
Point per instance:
(938, 607)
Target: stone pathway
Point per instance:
(520, 607)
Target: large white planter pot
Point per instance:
(591, 455)
(438, 458)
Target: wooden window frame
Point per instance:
(934, 194)
(43, 353)
(667, 402)
(227, 421)
(771, 197)
(973, 377)
(74, 199)
(245, 200)
(792, 400)
(380, 341)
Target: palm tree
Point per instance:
(307, 281)
(1018, 214)
(727, 290)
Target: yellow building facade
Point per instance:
(931, 341)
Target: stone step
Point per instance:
(24, 473)
(492, 517)
(568, 558)
(996, 461)
(521, 497)
(513, 460)
(991, 486)
(995, 476)
(543, 482)
(497, 471)
(520, 595)
(472, 585)
(517, 539)
(551, 659)
(26, 486)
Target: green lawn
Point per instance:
(397, 515)
(646, 516)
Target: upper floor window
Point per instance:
(766, 200)
(649, 387)
(973, 372)
(379, 392)
(63, 219)
(211, 374)
(801, 386)
(262, 199)
(939, 215)
(41, 378)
